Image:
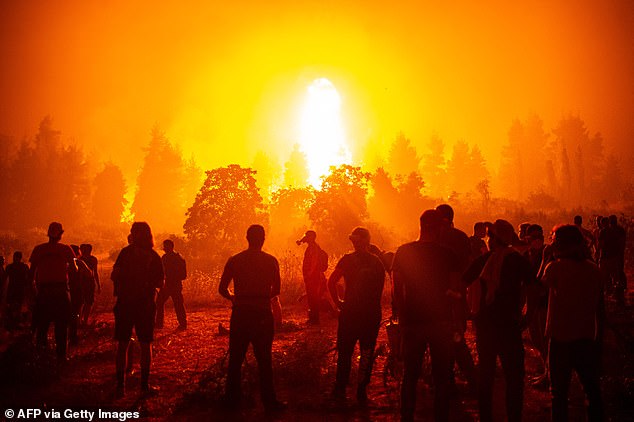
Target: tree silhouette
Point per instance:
(433, 167)
(226, 205)
(296, 169)
(458, 168)
(340, 205)
(288, 212)
(402, 158)
(109, 201)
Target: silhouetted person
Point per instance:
(537, 299)
(588, 237)
(360, 318)
(137, 274)
(175, 272)
(611, 257)
(476, 242)
(497, 279)
(17, 274)
(51, 264)
(575, 316)
(459, 243)
(256, 280)
(90, 288)
(3, 279)
(424, 274)
(78, 283)
(313, 267)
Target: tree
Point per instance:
(288, 212)
(402, 158)
(340, 205)
(433, 167)
(108, 201)
(296, 169)
(458, 167)
(268, 173)
(226, 205)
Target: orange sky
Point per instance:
(224, 79)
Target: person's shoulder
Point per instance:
(408, 246)
(269, 257)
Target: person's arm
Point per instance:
(96, 274)
(332, 286)
(277, 281)
(474, 270)
(225, 279)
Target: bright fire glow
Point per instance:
(322, 137)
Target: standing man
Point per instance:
(425, 278)
(175, 272)
(89, 289)
(51, 264)
(360, 317)
(313, 268)
(18, 275)
(256, 280)
(136, 275)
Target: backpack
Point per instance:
(181, 268)
(323, 261)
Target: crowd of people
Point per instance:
(502, 280)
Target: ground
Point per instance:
(189, 367)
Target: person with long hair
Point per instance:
(136, 274)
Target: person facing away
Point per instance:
(78, 284)
(458, 241)
(256, 281)
(89, 289)
(313, 268)
(575, 318)
(51, 265)
(425, 273)
(175, 272)
(17, 273)
(498, 278)
(360, 318)
(612, 239)
(137, 274)
(476, 241)
(588, 237)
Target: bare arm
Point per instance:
(332, 287)
(225, 279)
(275, 288)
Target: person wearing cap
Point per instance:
(136, 274)
(175, 272)
(51, 264)
(497, 279)
(18, 275)
(360, 318)
(313, 268)
(574, 324)
(256, 280)
(95, 286)
(426, 277)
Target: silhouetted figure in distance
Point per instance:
(575, 318)
(137, 274)
(175, 272)
(424, 273)
(51, 264)
(17, 274)
(90, 288)
(256, 280)
(313, 267)
(360, 317)
(476, 241)
(78, 283)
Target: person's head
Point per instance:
(431, 224)
(141, 235)
(605, 222)
(569, 243)
(86, 249)
(309, 237)
(17, 256)
(613, 220)
(360, 238)
(521, 229)
(578, 220)
(168, 245)
(479, 230)
(255, 236)
(501, 234)
(76, 251)
(55, 231)
(1, 260)
(535, 236)
(446, 212)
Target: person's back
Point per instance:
(364, 277)
(254, 273)
(175, 267)
(51, 261)
(424, 268)
(137, 273)
(18, 276)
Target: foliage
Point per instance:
(226, 205)
(108, 201)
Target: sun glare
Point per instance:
(322, 137)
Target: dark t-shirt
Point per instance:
(18, 275)
(136, 274)
(51, 262)
(256, 278)
(611, 241)
(458, 241)
(364, 277)
(175, 268)
(92, 263)
(425, 270)
(506, 308)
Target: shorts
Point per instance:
(137, 316)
